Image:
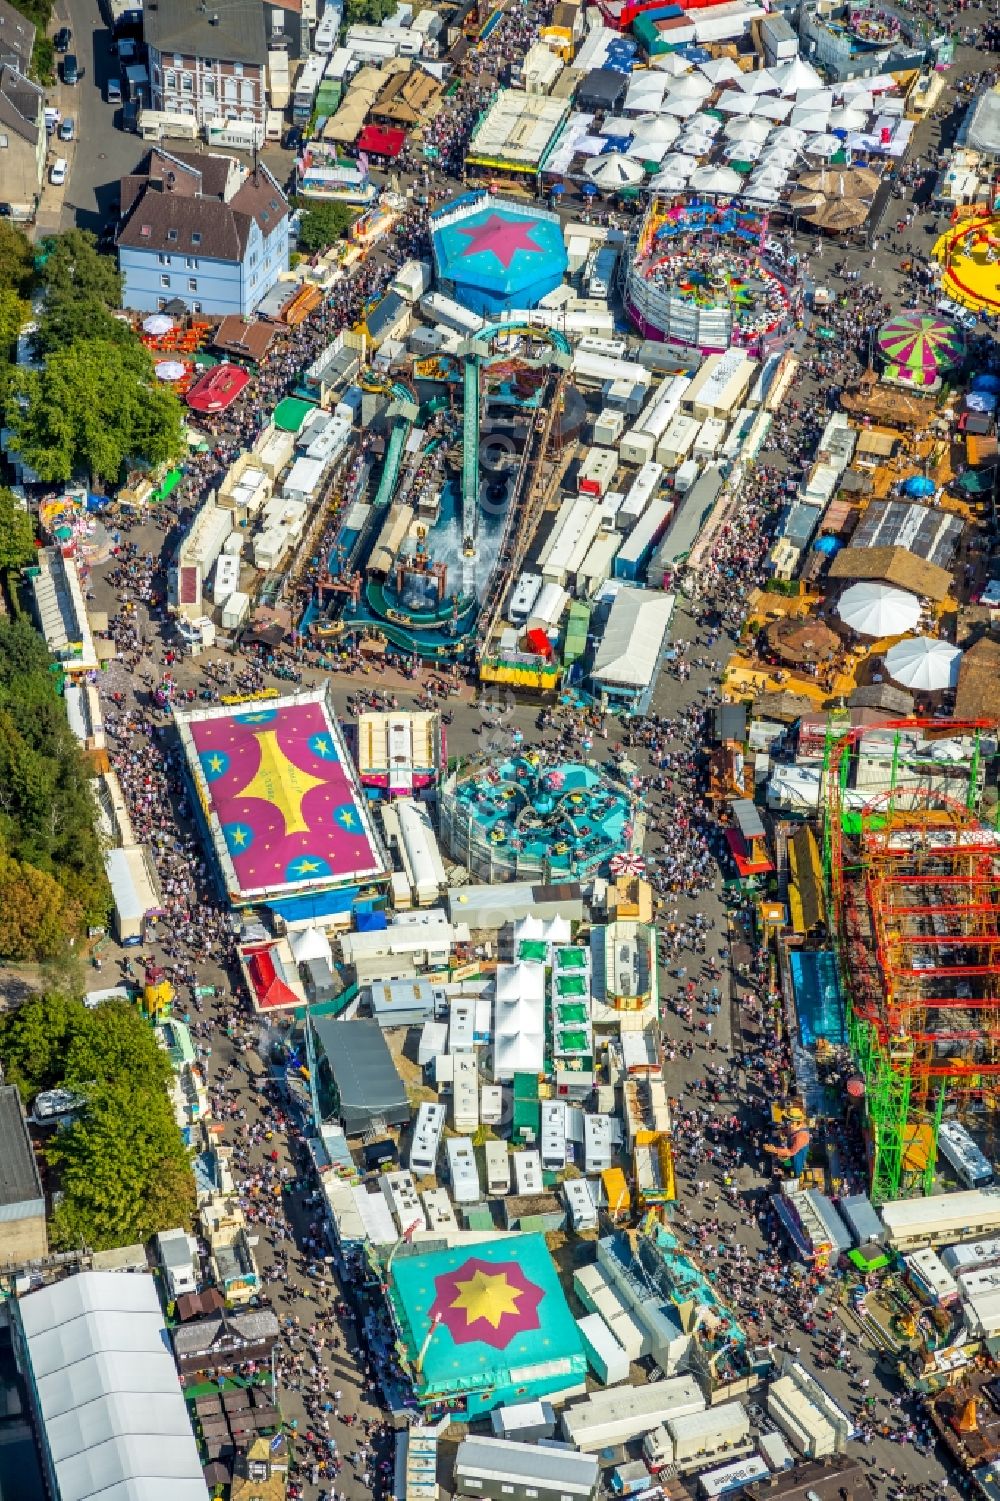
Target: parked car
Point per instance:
(57, 172)
(52, 118)
(67, 130)
(113, 91)
(293, 138)
(62, 39)
(130, 116)
(70, 69)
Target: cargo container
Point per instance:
(235, 611)
(700, 1438)
(678, 440)
(607, 1418)
(640, 493)
(568, 543)
(597, 566)
(609, 427)
(597, 471)
(605, 1355)
(412, 280)
(637, 549)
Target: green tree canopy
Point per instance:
(322, 224)
(367, 12)
(123, 1169)
(17, 532)
(17, 260)
(47, 824)
(74, 266)
(96, 405)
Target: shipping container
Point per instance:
(607, 1418)
(637, 549)
(640, 493)
(700, 1438)
(235, 611)
(605, 1355)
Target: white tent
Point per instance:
(769, 177)
(709, 125)
(874, 609)
(720, 70)
(760, 193)
(796, 76)
(309, 945)
(614, 171)
(924, 664)
(782, 157)
(815, 99)
(692, 143)
(858, 99)
(719, 180)
(519, 1020)
(747, 130)
(629, 650)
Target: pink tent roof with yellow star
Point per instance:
(280, 794)
(476, 1312)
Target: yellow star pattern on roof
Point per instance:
(280, 782)
(215, 763)
(487, 1295)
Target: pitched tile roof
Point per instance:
(230, 30)
(20, 104)
(174, 203)
(17, 37)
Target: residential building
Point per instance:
(207, 60)
(22, 1200)
(17, 39)
(22, 143)
(201, 230)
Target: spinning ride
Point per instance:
(696, 279)
(969, 255)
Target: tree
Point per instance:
(69, 317)
(322, 224)
(74, 266)
(17, 533)
(37, 918)
(122, 1167)
(17, 260)
(95, 406)
(367, 12)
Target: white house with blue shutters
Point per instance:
(200, 230)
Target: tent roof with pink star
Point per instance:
(493, 255)
(280, 798)
(470, 1316)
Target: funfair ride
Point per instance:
(913, 876)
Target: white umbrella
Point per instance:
(668, 182)
(614, 171)
(924, 664)
(737, 103)
(720, 70)
(769, 177)
(847, 119)
(747, 130)
(691, 86)
(671, 63)
(760, 193)
(657, 133)
(742, 151)
(156, 324)
(680, 105)
(815, 98)
(859, 99)
(695, 145)
(823, 145)
(761, 82)
(709, 125)
(645, 92)
(878, 610)
(773, 107)
(720, 180)
(169, 370)
(788, 135)
(779, 156)
(680, 164)
(812, 121)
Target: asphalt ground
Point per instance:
(283, 1220)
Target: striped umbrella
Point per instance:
(916, 341)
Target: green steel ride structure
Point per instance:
(913, 884)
